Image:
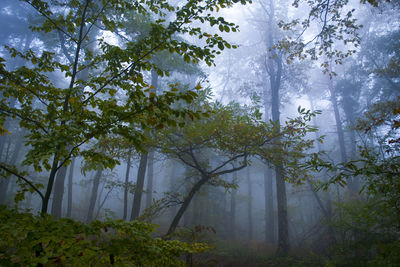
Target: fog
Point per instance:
(265, 129)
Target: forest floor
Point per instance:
(255, 254)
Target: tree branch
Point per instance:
(24, 179)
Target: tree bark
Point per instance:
(339, 126)
(58, 194)
(249, 205)
(137, 198)
(93, 196)
(5, 182)
(70, 180)
(232, 213)
(126, 188)
(273, 65)
(269, 206)
(150, 176)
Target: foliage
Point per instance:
(291, 147)
(368, 227)
(28, 241)
(337, 27)
(378, 168)
(367, 234)
(91, 88)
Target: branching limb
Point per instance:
(22, 178)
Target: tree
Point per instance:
(229, 137)
(61, 119)
(227, 134)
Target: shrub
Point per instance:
(29, 240)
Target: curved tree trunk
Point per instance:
(186, 203)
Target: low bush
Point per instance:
(29, 240)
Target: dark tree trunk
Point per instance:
(126, 188)
(70, 182)
(186, 203)
(58, 194)
(137, 198)
(50, 183)
(150, 176)
(93, 196)
(249, 205)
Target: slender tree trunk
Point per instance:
(269, 206)
(93, 196)
(137, 198)
(15, 63)
(249, 205)
(5, 182)
(314, 120)
(70, 183)
(273, 66)
(126, 188)
(283, 230)
(326, 212)
(172, 178)
(186, 215)
(196, 211)
(186, 203)
(150, 176)
(232, 213)
(339, 126)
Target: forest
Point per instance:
(200, 133)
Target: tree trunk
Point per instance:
(339, 126)
(5, 182)
(150, 176)
(70, 180)
(283, 230)
(249, 205)
(93, 196)
(15, 63)
(137, 198)
(186, 203)
(269, 206)
(58, 194)
(173, 172)
(232, 213)
(274, 70)
(126, 188)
